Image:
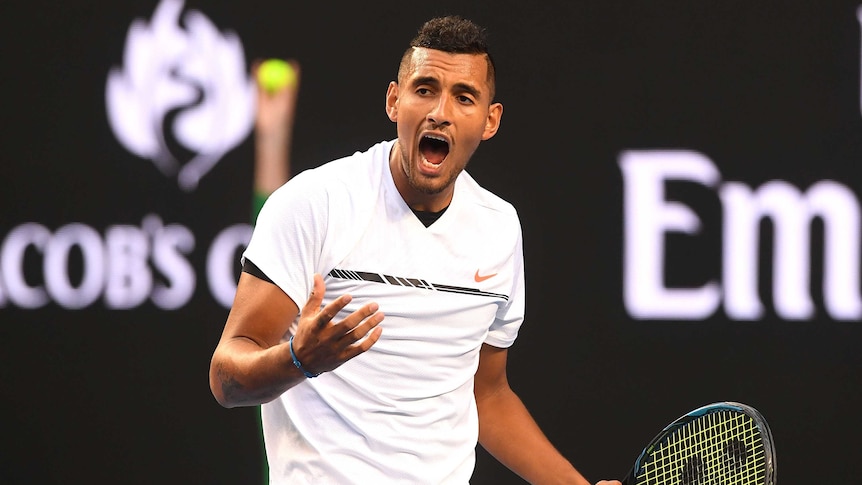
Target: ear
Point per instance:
(492, 124)
(392, 101)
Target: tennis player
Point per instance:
(380, 293)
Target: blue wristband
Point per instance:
(297, 363)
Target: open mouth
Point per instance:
(433, 149)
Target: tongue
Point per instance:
(434, 156)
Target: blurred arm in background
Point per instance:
(273, 136)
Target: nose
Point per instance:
(441, 113)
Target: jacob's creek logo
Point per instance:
(179, 91)
(126, 266)
(649, 218)
(182, 98)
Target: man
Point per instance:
(351, 397)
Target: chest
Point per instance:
(446, 282)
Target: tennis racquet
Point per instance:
(724, 443)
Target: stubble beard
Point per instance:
(427, 186)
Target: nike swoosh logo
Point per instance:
(480, 279)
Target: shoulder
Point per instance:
(487, 217)
(361, 164)
(484, 200)
(340, 180)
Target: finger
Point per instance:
(365, 327)
(318, 289)
(367, 341)
(295, 65)
(349, 324)
(327, 313)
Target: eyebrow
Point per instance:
(462, 87)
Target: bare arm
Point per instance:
(508, 431)
(252, 364)
(273, 129)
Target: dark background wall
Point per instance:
(766, 90)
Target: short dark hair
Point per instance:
(455, 35)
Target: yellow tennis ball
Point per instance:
(275, 75)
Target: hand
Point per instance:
(275, 110)
(321, 344)
(609, 482)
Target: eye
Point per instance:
(423, 91)
(465, 99)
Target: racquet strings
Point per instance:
(724, 447)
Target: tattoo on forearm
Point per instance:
(235, 391)
(230, 386)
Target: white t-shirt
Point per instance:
(404, 411)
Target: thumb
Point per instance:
(312, 306)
